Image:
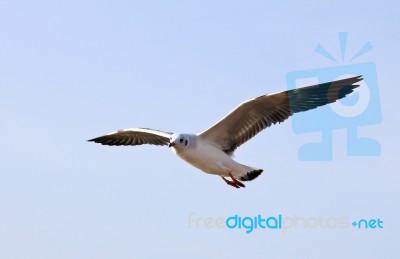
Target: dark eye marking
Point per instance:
(186, 142)
(181, 140)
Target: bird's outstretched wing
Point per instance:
(252, 116)
(133, 137)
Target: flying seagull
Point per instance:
(211, 150)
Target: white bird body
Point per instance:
(210, 159)
(211, 151)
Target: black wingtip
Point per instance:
(358, 78)
(95, 140)
(350, 80)
(348, 85)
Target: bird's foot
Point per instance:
(231, 183)
(235, 183)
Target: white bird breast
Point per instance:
(207, 158)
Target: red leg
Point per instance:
(230, 183)
(235, 181)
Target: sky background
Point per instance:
(74, 70)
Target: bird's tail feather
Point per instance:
(251, 175)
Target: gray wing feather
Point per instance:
(134, 137)
(251, 117)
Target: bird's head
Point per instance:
(179, 141)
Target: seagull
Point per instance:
(211, 151)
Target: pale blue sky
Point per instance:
(74, 70)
